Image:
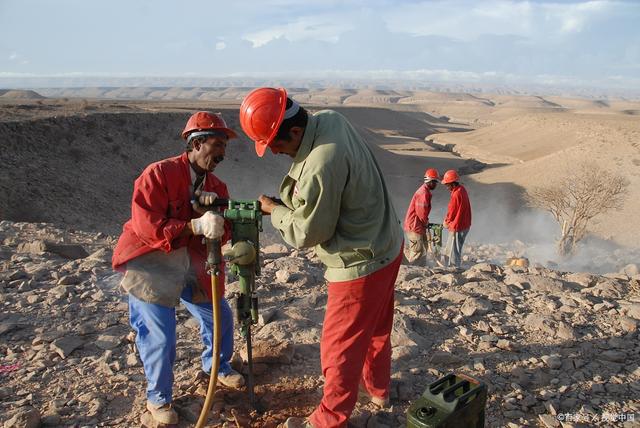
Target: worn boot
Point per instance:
(364, 397)
(163, 413)
(233, 379)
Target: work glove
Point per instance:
(206, 198)
(210, 225)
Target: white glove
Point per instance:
(210, 225)
(206, 198)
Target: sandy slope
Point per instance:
(540, 148)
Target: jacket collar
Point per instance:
(188, 172)
(306, 145)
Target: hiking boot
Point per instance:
(163, 413)
(364, 397)
(233, 379)
(295, 422)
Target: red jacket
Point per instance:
(417, 216)
(458, 216)
(160, 210)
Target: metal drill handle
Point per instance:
(214, 256)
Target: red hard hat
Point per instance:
(206, 121)
(450, 176)
(261, 114)
(431, 174)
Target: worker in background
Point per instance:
(416, 220)
(162, 253)
(458, 218)
(336, 201)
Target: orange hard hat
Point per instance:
(206, 121)
(450, 177)
(431, 175)
(261, 114)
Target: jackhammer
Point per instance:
(434, 238)
(243, 256)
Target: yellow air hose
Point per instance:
(213, 380)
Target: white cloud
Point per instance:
(460, 20)
(13, 56)
(465, 20)
(220, 46)
(570, 25)
(572, 18)
(323, 28)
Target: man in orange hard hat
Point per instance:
(416, 220)
(458, 218)
(335, 200)
(162, 253)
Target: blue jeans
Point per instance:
(454, 247)
(155, 327)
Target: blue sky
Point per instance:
(555, 42)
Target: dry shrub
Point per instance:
(581, 195)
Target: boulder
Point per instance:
(607, 288)
(66, 345)
(441, 358)
(26, 417)
(68, 251)
(475, 306)
(452, 296)
(634, 311)
(540, 323)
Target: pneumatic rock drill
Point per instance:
(245, 217)
(434, 238)
(244, 259)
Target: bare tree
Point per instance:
(584, 193)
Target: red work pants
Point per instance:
(356, 343)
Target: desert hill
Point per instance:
(17, 94)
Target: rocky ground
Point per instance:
(555, 348)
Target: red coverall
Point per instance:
(417, 216)
(458, 216)
(356, 343)
(160, 211)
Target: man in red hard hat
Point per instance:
(336, 201)
(458, 218)
(416, 220)
(163, 257)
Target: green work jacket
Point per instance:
(336, 200)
